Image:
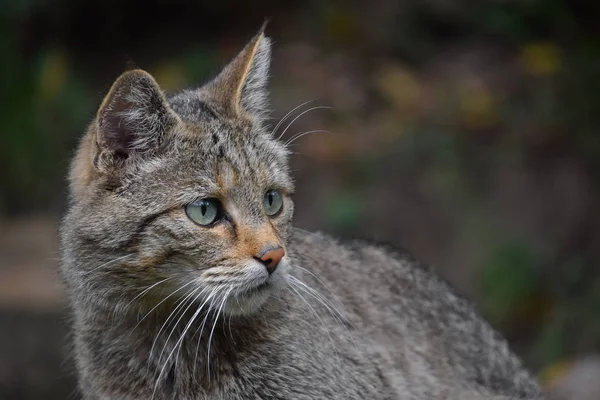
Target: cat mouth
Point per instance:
(250, 300)
(257, 289)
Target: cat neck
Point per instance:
(166, 341)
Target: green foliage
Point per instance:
(343, 210)
(45, 107)
(550, 345)
(509, 279)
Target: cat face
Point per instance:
(187, 197)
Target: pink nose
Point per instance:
(271, 258)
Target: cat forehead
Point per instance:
(196, 106)
(219, 155)
(217, 152)
(219, 145)
(207, 123)
(212, 131)
(198, 167)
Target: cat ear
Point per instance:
(133, 117)
(242, 85)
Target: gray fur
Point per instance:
(337, 320)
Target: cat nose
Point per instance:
(271, 257)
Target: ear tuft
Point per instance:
(253, 95)
(242, 85)
(134, 116)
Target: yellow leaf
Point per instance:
(170, 77)
(477, 106)
(554, 372)
(342, 25)
(541, 59)
(399, 85)
(53, 75)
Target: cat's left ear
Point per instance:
(242, 85)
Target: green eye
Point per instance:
(273, 202)
(205, 211)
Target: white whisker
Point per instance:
(298, 116)
(292, 287)
(162, 301)
(212, 331)
(304, 230)
(182, 310)
(299, 135)
(201, 327)
(178, 343)
(287, 115)
(146, 291)
(108, 263)
(318, 280)
(199, 309)
(322, 299)
(230, 333)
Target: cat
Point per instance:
(187, 281)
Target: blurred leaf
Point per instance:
(53, 73)
(508, 279)
(343, 209)
(341, 24)
(389, 126)
(400, 87)
(477, 105)
(550, 345)
(553, 372)
(327, 147)
(171, 76)
(199, 64)
(541, 59)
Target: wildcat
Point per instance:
(187, 281)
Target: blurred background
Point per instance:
(464, 131)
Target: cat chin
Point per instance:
(246, 304)
(251, 301)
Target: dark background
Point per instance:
(464, 131)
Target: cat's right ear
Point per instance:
(132, 120)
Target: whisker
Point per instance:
(162, 301)
(342, 321)
(317, 278)
(167, 343)
(292, 287)
(299, 135)
(182, 310)
(146, 291)
(201, 327)
(156, 306)
(298, 116)
(108, 263)
(230, 333)
(212, 331)
(287, 115)
(199, 309)
(172, 315)
(322, 299)
(201, 330)
(305, 231)
(178, 343)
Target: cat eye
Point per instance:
(205, 211)
(273, 202)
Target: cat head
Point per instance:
(189, 193)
